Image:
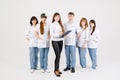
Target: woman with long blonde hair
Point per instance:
(82, 42)
(43, 35)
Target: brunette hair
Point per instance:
(71, 13)
(60, 21)
(43, 15)
(93, 21)
(33, 18)
(86, 23)
(41, 27)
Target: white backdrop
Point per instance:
(14, 20)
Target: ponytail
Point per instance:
(41, 27)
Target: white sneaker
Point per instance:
(42, 70)
(47, 70)
(91, 69)
(32, 70)
(83, 70)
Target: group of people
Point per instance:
(82, 36)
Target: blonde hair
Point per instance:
(86, 23)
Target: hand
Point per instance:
(78, 35)
(48, 36)
(66, 36)
(61, 33)
(28, 39)
(77, 45)
(83, 46)
(40, 38)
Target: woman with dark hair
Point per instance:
(82, 42)
(32, 43)
(56, 30)
(93, 43)
(43, 35)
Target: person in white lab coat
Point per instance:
(82, 42)
(42, 33)
(56, 30)
(32, 43)
(70, 42)
(94, 37)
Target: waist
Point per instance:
(57, 39)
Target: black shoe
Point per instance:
(72, 70)
(66, 69)
(35, 68)
(57, 73)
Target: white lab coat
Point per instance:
(55, 30)
(84, 36)
(70, 39)
(30, 34)
(44, 42)
(94, 39)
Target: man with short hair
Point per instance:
(70, 42)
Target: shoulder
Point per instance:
(47, 24)
(37, 26)
(87, 30)
(66, 25)
(52, 24)
(76, 24)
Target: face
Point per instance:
(83, 23)
(57, 18)
(43, 19)
(34, 22)
(70, 17)
(91, 25)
